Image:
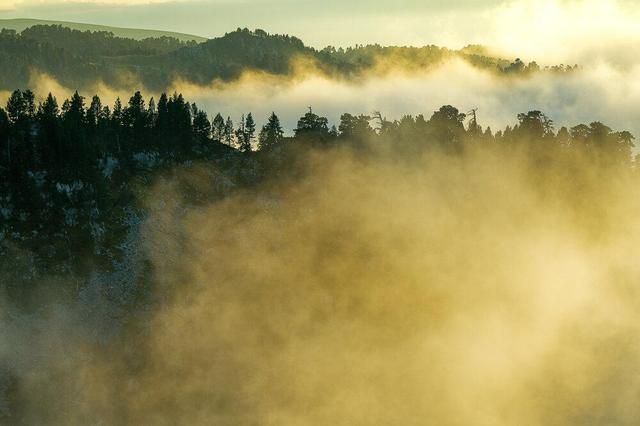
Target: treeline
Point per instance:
(66, 170)
(80, 58)
(69, 172)
(75, 56)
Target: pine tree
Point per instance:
(271, 133)
(94, 111)
(218, 128)
(152, 112)
(161, 125)
(50, 133)
(117, 112)
(228, 132)
(21, 106)
(246, 133)
(312, 123)
(74, 121)
(116, 126)
(201, 125)
(250, 129)
(241, 136)
(136, 121)
(180, 119)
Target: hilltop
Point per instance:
(80, 58)
(20, 25)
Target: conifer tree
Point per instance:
(218, 128)
(271, 133)
(228, 132)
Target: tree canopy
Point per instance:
(80, 58)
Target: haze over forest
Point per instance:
(285, 213)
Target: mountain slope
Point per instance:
(133, 33)
(78, 59)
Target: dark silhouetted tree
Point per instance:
(217, 128)
(271, 134)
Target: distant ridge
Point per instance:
(136, 34)
(78, 59)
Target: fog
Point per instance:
(367, 289)
(597, 92)
(600, 92)
(442, 290)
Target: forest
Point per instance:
(98, 202)
(80, 58)
(69, 173)
(345, 213)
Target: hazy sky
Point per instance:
(557, 30)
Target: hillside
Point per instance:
(133, 33)
(71, 170)
(78, 58)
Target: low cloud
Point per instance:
(445, 290)
(599, 92)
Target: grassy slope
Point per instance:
(137, 34)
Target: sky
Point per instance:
(555, 31)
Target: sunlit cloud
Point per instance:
(603, 92)
(584, 31)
